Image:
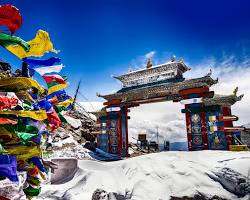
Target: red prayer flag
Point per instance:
(7, 121)
(7, 102)
(54, 78)
(10, 17)
(54, 120)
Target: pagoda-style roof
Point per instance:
(161, 92)
(223, 100)
(154, 69)
(153, 74)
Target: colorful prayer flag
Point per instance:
(54, 78)
(8, 167)
(37, 115)
(19, 83)
(57, 87)
(24, 152)
(33, 63)
(10, 17)
(7, 121)
(48, 69)
(38, 46)
(8, 40)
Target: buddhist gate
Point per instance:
(209, 121)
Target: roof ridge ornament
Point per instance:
(238, 98)
(98, 94)
(149, 63)
(209, 73)
(235, 91)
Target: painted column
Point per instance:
(189, 131)
(124, 131)
(195, 117)
(116, 129)
(102, 137)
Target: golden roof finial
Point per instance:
(149, 63)
(235, 91)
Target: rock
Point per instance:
(232, 181)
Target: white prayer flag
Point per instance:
(48, 69)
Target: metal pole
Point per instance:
(77, 90)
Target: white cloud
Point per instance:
(150, 54)
(140, 61)
(165, 115)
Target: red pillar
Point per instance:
(189, 131)
(127, 154)
(226, 111)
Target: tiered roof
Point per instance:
(165, 89)
(168, 91)
(223, 100)
(153, 74)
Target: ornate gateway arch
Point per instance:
(209, 120)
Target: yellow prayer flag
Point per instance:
(37, 115)
(25, 94)
(5, 132)
(66, 103)
(19, 83)
(38, 46)
(57, 87)
(24, 152)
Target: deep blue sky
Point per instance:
(98, 38)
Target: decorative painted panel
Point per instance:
(216, 139)
(102, 138)
(113, 136)
(197, 140)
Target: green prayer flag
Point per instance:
(51, 84)
(7, 40)
(25, 137)
(30, 191)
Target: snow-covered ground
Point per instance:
(155, 176)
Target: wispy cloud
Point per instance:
(150, 54)
(140, 61)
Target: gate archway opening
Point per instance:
(208, 117)
(161, 122)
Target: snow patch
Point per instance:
(153, 176)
